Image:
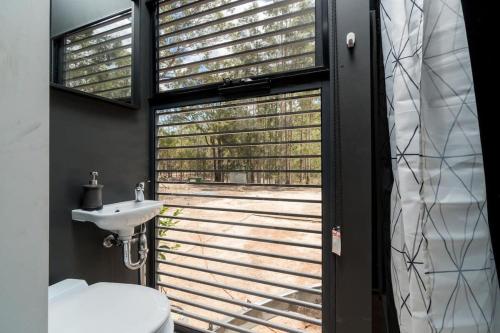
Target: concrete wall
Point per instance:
(24, 165)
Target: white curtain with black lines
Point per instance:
(442, 266)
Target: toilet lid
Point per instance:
(109, 307)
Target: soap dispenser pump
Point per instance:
(92, 193)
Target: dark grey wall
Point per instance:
(88, 134)
(70, 14)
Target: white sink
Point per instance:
(121, 217)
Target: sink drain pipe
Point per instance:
(143, 254)
(126, 243)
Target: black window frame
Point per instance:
(328, 186)
(318, 72)
(316, 77)
(57, 60)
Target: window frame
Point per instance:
(349, 183)
(327, 184)
(57, 59)
(318, 72)
(283, 82)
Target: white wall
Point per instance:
(24, 165)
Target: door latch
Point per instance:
(243, 86)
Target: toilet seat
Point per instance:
(107, 307)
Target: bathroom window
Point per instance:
(242, 100)
(97, 59)
(239, 242)
(204, 42)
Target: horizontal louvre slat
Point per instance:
(236, 197)
(190, 327)
(213, 107)
(235, 315)
(234, 249)
(237, 170)
(110, 90)
(250, 130)
(125, 78)
(97, 59)
(287, 314)
(245, 184)
(104, 33)
(96, 78)
(239, 263)
(191, 48)
(108, 69)
(85, 65)
(97, 29)
(229, 33)
(98, 56)
(243, 290)
(116, 93)
(254, 38)
(253, 116)
(175, 6)
(208, 320)
(262, 212)
(233, 236)
(263, 7)
(104, 46)
(237, 145)
(242, 224)
(197, 12)
(97, 42)
(247, 70)
(106, 85)
(236, 57)
(236, 158)
(240, 277)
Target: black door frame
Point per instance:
(327, 159)
(346, 93)
(352, 108)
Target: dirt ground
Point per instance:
(310, 223)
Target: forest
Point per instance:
(270, 140)
(198, 43)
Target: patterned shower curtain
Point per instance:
(442, 266)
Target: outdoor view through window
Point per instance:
(202, 42)
(239, 240)
(98, 59)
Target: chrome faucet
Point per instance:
(139, 192)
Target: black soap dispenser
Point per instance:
(92, 193)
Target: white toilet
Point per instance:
(76, 307)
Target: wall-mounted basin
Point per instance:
(121, 217)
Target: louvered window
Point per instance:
(98, 58)
(242, 243)
(239, 245)
(203, 42)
